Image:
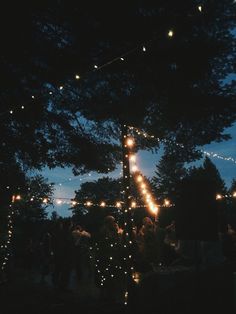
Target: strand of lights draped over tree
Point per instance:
(5, 248)
(165, 141)
(140, 48)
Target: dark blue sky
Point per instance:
(146, 162)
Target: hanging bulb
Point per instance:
(133, 204)
(166, 202)
(199, 8)
(77, 77)
(139, 178)
(130, 142)
(170, 33)
(132, 158)
(134, 168)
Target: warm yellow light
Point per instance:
(199, 8)
(132, 158)
(143, 186)
(133, 204)
(139, 178)
(77, 76)
(166, 202)
(136, 277)
(234, 194)
(118, 204)
(170, 33)
(130, 142)
(73, 203)
(18, 197)
(134, 168)
(103, 204)
(45, 200)
(154, 209)
(219, 196)
(88, 203)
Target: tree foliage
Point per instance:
(173, 90)
(169, 172)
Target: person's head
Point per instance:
(109, 220)
(147, 221)
(79, 228)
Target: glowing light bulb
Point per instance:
(133, 204)
(130, 142)
(234, 194)
(88, 203)
(45, 200)
(170, 33)
(219, 196)
(61, 87)
(59, 202)
(118, 204)
(95, 66)
(166, 202)
(144, 49)
(143, 185)
(77, 77)
(199, 8)
(139, 178)
(73, 203)
(103, 204)
(18, 197)
(122, 59)
(132, 158)
(134, 168)
(22, 107)
(11, 111)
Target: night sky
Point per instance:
(146, 162)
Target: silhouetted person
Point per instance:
(63, 254)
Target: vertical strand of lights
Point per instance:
(146, 195)
(5, 248)
(127, 144)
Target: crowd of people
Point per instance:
(68, 247)
(65, 248)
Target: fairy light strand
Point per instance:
(161, 141)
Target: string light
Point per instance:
(144, 49)
(164, 141)
(130, 142)
(77, 77)
(170, 33)
(199, 8)
(132, 158)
